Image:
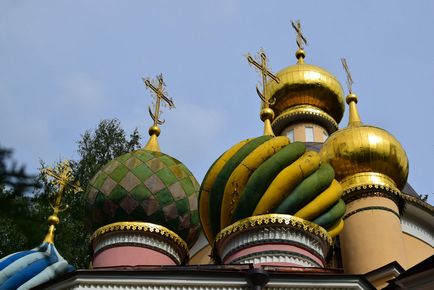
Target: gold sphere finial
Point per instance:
(53, 220)
(300, 55)
(154, 130)
(267, 114)
(351, 98)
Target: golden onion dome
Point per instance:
(365, 156)
(306, 92)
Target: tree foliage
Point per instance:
(25, 223)
(18, 219)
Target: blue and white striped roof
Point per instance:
(28, 269)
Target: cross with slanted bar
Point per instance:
(160, 93)
(262, 67)
(350, 81)
(301, 40)
(62, 175)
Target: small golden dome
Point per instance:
(365, 155)
(310, 86)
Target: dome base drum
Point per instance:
(273, 239)
(137, 244)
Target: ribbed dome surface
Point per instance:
(265, 175)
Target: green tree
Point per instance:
(18, 219)
(23, 215)
(95, 148)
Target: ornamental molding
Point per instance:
(374, 190)
(277, 257)
(137, 239)
(200, 284)
(275, 234)
(149, 284)
(416, 230)
(305, 112)
(141, 227)
(418, 202)
(271, 220)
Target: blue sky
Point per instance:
(66, 65)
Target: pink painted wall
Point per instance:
(130, 256)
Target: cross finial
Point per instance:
(61, 178)
(350, 81)
(301, 40)
(267, 113)
(351, 99)
(158, 89)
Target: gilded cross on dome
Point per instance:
(350, 81)
(301, 40)
(352, 99)
(158, 89)
(267, 113)
(265, 72)
(62, 179)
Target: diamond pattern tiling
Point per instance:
(108, 186)
(192, 200)
(132, 163)
(177, 191)
(140, 192)
(129, 204)
(129, 181)
(145, 186)
(119, 172)
(167, 176)
(170, 211)
(154, 183)
(178, 172)
(150, 205)
(110, 167)
(155, 164)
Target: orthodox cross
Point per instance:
(301, 40)
(350, 81)
(62, 178)
(262, 67)
(160, 94)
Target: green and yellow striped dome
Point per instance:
(265, 175)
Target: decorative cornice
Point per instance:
(275, 234)
(305, 113)
(274, 219)
(418, 202)
(138, 239)
(416, 230)
(140, 227)
(374, 190)
(274, 256)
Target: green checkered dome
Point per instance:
(145, 186)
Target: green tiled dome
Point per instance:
(145, 186)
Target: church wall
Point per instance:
(371, 238)
(416, 249)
